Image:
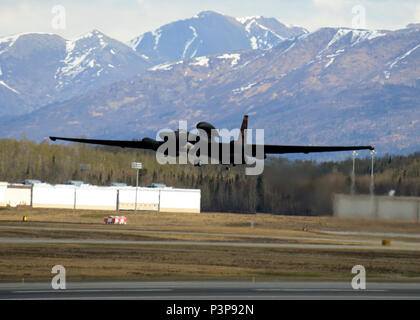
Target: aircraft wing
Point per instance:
(146, 143)
(152, 144)
(278, 149)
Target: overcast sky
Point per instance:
(126, 19)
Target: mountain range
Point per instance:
(211, 33)
(39, 69)
(333, 86)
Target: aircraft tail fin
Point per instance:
(244, 126)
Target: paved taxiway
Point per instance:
(212, 290)
(359, 244)
(209, 243)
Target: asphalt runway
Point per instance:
(209, 243)
(212, 290)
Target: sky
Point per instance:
(126, 19)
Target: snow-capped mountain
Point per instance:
(28, 63)
(37, 69)
(336, 85)
(265, 33)
(211, 33)
(95, 57)
(331, 86)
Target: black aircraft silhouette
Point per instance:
(190, 139)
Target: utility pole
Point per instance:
(372, 182)
(138, 167)
(353, 174)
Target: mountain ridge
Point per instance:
(333, 86)
(39, 68)
(209, 33)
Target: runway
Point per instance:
(359, 244)
(212, 290)
(208, 243)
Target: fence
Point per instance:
(383, 207)
(100, 198)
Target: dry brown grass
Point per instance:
(112, 261)
(33, 262)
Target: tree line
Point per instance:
(285, 187)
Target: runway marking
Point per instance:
(323, 290)
(92, 290)
(167, 290)
(212, 291)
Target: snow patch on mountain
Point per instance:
(7, 42)
(244, 20)
(362, 35)
(332, 57)
(75, 61)
(402, 57)
(242, 89)
(289, 48)
(260, 36)
(235, 57)
(157, 34)
(188, 44)
(165, 66)
(357, 36)
(329, 62)
(338, 35)
(254, 44)
(201, 61)
(135, 42)
(8, 87)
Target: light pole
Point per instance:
(138, 167)
(353, 174)
(372, 183)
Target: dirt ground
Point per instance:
(33, 261)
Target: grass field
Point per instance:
(33, 261)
